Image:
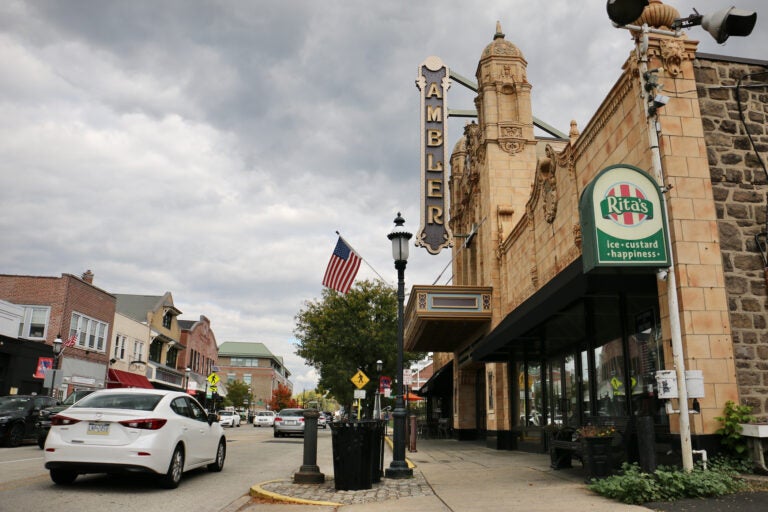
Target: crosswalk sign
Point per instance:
(360, 379)
(213, 379)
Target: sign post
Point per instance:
(359, 380)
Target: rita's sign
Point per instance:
(622, 220)
(433, 83)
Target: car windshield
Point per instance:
(227, 413)
(74, 397)
(263, 414)
(292, 412)
(139, 402)
(13, 403)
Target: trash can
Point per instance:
(357, 454)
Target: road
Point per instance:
(253, 456)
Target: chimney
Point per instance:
(88, 277)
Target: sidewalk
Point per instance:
(448, 476)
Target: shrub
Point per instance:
(733, 416)
(635, 487)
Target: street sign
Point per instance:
(213, 379)
(407, 376)
(213, 389)
(359, 394)
(360, 379)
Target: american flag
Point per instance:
(342, 268)
(71, 341)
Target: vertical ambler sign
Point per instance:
(623, 220)
(433, 82)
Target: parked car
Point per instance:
(289, 421)
(229, 419)
(18, 417)
(44, 416)
(264, 419)
(322, 421)
(104, 432)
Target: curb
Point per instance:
(257, 491)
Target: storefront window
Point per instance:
(571, 392)
(610, 379)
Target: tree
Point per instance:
(237, 392)
(281, 398)
(341, 334)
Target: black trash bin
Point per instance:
(357, 454)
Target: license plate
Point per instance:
(289, 422)
(98, 429)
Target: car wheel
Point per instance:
(172, 478)
(238, 425)
(16, 435)
(221, 453)
(62, 476)
(276, 434)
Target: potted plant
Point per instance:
(596, 443)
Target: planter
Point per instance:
(598, 461)
(754, 429)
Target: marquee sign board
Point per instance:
(433, 82)
(623, 220)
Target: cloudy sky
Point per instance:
(213, 148)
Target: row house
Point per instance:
(68, 307)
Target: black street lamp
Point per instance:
(398, 468)
(58, 345)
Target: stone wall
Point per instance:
(739, 189)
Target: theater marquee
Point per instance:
(622, 220)
(433, 82)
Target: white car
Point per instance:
(229, 419)
(264, 419)
(134, 430)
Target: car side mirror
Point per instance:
(212, 418)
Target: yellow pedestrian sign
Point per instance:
(360, 379)
(213, 379)
(213, 389)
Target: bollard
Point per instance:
(412, 436)
(309, 472)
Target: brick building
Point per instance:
(541, 326)
(66, 306)
(200, 354)
(253, 364)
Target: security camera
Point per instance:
(660, 100)
(662, 274)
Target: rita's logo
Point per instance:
(626, 205)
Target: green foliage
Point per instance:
(237, 392)
(668, 483)
(733, 416)
(340, 334)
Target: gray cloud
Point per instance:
(212, 148)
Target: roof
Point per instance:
(245, 349)
(137, 306)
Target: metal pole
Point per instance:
(674, 311)
(398, 468)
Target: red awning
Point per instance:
(122, 379)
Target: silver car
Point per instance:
(289, 421)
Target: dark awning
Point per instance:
(563, 290)
(123, 379)
(442, 379)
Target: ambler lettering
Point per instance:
(434, 233)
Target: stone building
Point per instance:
(547, 323)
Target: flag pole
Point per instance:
(362, 258)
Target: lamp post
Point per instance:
(58, 345)
(399, 237)
(377, 399)
(720, 25)
(187, 371)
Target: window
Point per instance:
(167, 319)
(231, 377)
(120, 341)
(248, 362)
(91, 333)
(35, 322)
(247, 379)
(170, 359)
(138, 351)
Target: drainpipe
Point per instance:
(674, 311)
